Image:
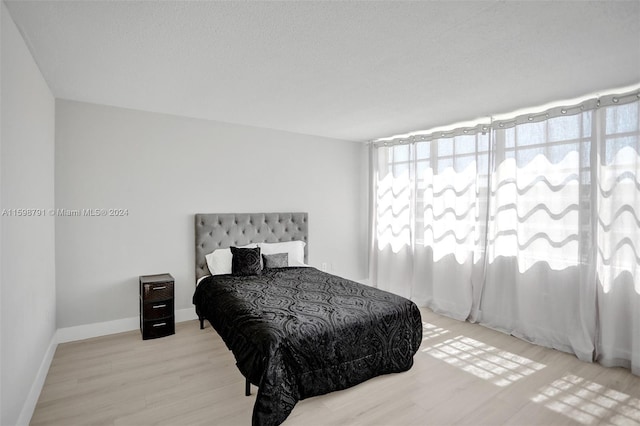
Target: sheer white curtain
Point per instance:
(617, 251)
(529, 225)
(428, 210)
(537, 283)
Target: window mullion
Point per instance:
(413, 194)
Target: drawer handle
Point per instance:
(160, 324)
(159, 288)
(158, 306)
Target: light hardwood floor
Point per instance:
(464, 374)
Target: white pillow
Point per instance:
(295, 250)
(219, 261)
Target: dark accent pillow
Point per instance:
(278, 260)
(245, 261)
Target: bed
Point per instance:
(297, 332)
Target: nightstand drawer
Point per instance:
(158, 328)
(157, 291)
(160, 309)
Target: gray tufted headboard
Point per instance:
(215, 231)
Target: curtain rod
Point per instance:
(493, 124)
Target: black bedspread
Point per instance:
(300, 332)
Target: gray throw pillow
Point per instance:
(278, 260)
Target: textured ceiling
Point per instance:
(347, 70)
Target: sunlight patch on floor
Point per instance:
(431, 331)
(484, 361)
(589, 403)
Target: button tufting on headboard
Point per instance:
(214, 231)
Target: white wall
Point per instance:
(28, 271)
(164, 169)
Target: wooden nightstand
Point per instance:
(156, 306)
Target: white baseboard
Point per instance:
(183, 315)
(87, 331)
(29, 405)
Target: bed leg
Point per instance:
(201, 323)
(247, 387)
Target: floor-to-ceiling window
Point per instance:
(530, 225)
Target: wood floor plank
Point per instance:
(463, 374)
